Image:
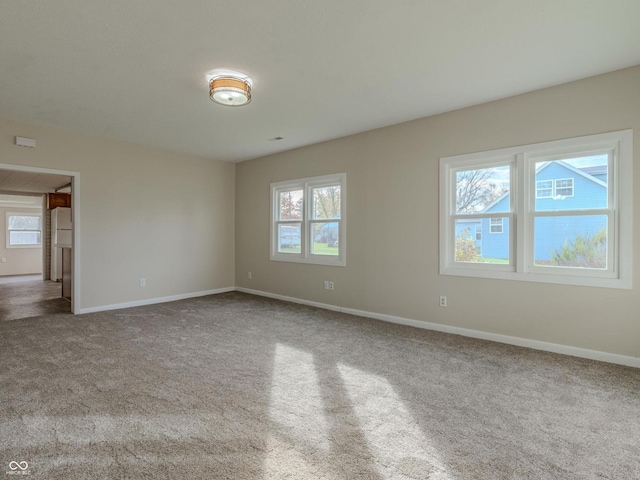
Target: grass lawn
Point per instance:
(318, 249)
(493, 260)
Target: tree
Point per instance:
(583, 251)
(466, 250)
(291, 205)
(326, 202)
(475, 190)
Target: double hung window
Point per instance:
(557, 212)
(308, 220)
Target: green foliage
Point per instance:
(584, 251)
(466, 250)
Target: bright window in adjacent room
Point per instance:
(308, 220)
(24, 230)
(557, 212)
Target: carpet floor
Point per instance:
(234, 386)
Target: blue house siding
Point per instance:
(496, 245)
(587, 192)
(551, 233)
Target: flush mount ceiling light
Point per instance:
(230, 90)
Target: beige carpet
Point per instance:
(240, 387)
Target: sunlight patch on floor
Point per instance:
(296, 402)
(393, 435)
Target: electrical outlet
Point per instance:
(249, 275)
(443, 301)
(4, 260)
(328, 285)
(331, 287)
(143, 282)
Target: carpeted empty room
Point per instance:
(244, 387)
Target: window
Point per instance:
(556, 212)
(24, 230)
(478, 232)
(544, 189)
(308, 220)
(560, 187)
(496, 225)
(563, 187)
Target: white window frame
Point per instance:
(307, 185)
(8, 231)
(522, 212)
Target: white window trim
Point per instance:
(8, 232)
(306, 256)
(521, 215)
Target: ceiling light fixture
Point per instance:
(230, 90)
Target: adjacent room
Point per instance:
(328, 240)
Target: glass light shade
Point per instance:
(230, 91)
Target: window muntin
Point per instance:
(309, 220)
(24, 230)
(576, 234)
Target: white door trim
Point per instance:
(75, 202)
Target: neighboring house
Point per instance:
(559, 186)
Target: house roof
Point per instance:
(137, 71)
(583, 172)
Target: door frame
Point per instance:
(75, 213)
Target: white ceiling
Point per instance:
(18, 181)
(321, 69)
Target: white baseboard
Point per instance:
(151, 301)
(494, 337)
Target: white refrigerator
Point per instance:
(61, 233)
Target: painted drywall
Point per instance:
(392, 220)
(144, 213)
(18, 261)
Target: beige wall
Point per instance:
(144, 212)
(392, 252)
(19, 261)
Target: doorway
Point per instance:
(44, 295)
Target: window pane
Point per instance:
(290, 205)
(477, 240)
(289, 238)
(483, 190)
(544, 188)
(24, 222)
(572, 183)
(24, 238)
(578, 241)
(326, 202)
(325, 238)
